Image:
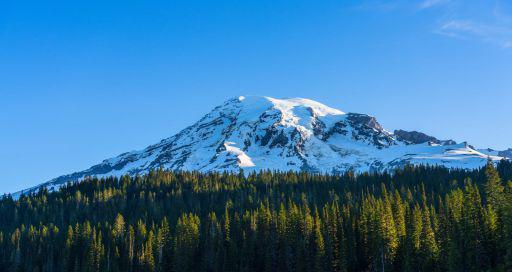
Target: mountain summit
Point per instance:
(260, 133)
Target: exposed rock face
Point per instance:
(261, 133)
(367, 128)
(506, 153)
(447, 142)
(414, 137)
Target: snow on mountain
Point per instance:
(260, 133)
(506, 153)
(491, 152)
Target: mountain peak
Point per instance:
(285, 104)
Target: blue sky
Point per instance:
(81, 81)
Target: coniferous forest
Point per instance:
(416, 219)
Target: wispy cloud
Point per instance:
(493, 34)
(477, 20)
(378, 5)
(467, 27)
(432, 3)
(486, 21)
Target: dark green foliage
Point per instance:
(418, 219)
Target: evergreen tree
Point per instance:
(416, 219)
(493, 187)
(319, 246)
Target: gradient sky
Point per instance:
(81, 81)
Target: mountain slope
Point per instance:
(259, 133)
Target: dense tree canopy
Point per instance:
(419, 218)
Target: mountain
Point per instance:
(491, 152)
(259, 133)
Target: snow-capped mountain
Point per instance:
(491, 152)
(258, 133)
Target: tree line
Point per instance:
(415, 219)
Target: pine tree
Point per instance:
(388, 233)
(493, 186)
(119, 226)
(319, 248)
(187, 242)
(167, 221)
(429, 250)
(164, 245)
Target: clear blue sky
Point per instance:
(81, 81)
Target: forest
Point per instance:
(419, 218)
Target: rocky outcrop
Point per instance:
(506, 153)
(414, 137)
(366, 128)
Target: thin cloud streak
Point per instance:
(378, 5)
(431, 3)
(479, 20)
(497, 35)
